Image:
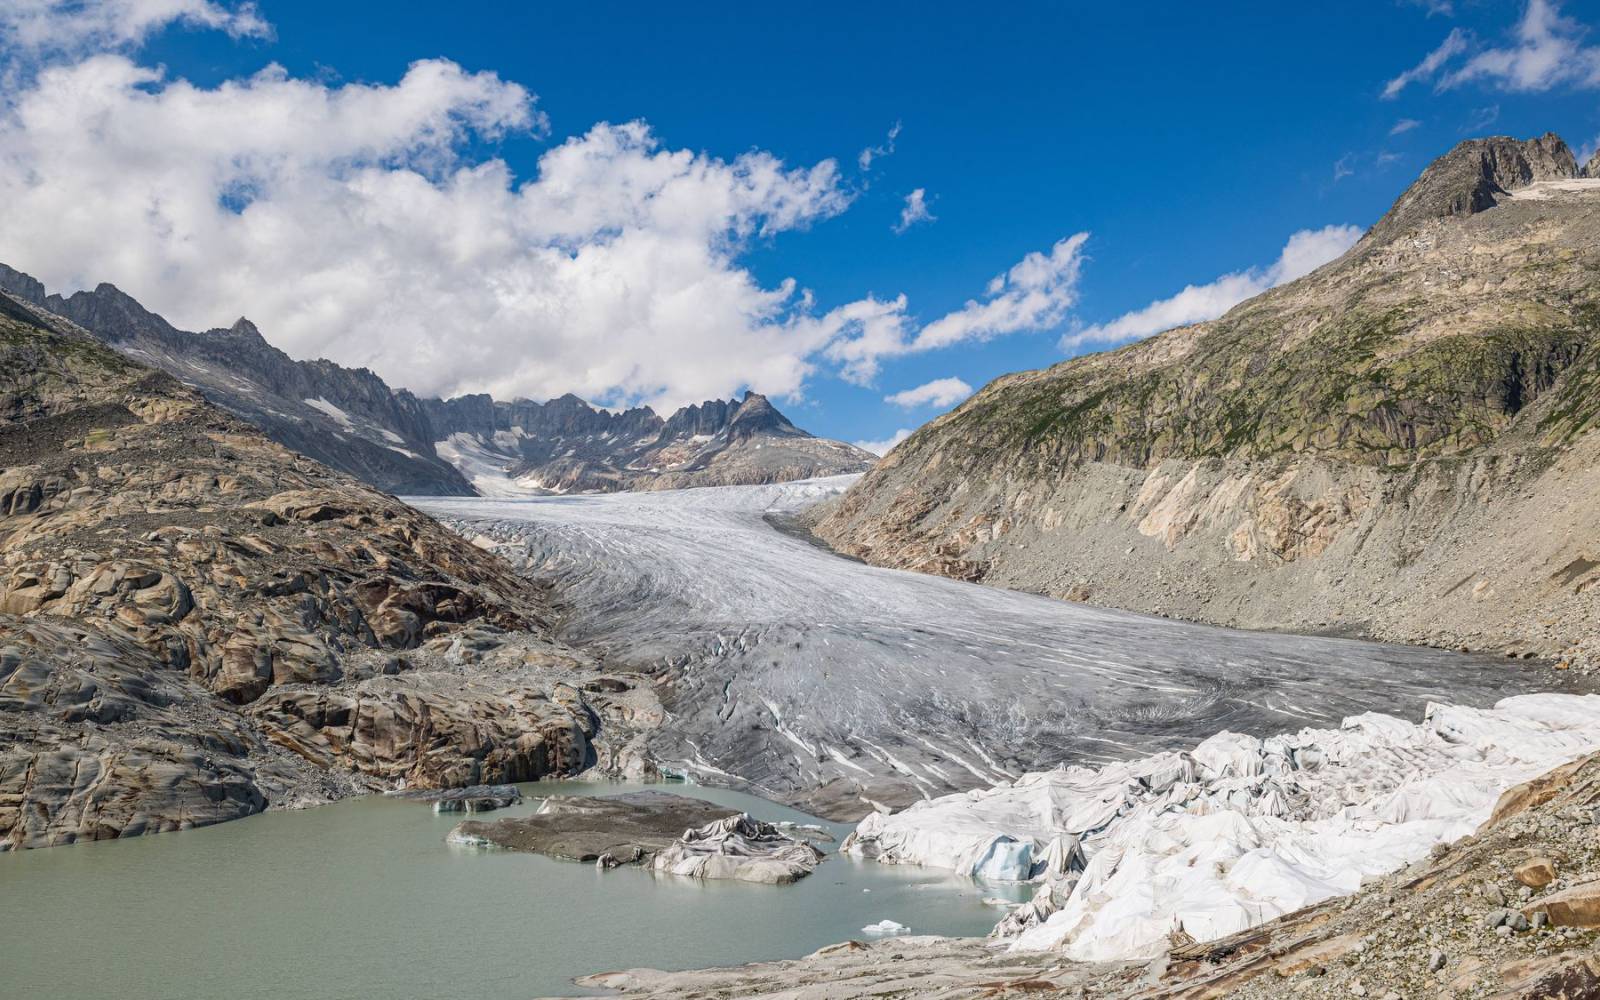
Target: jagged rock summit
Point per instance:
(1399, 445)
(566, 445)
(352, 420)
(1474, 177)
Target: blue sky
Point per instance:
(1188, 142)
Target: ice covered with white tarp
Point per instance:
(1133, 856)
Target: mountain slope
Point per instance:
(345, 418)
(197, 623)
(351, 420)
(1400, 444)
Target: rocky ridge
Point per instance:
(197, 623)
(351, 420)
(1399, 445)
(568, 446)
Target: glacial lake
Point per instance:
(363, 898)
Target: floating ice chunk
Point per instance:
(885, 928)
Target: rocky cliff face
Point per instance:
(1400, 444)
(351, 420)
(197, 623)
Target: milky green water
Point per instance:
(363, 898)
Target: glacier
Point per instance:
(842, 688)
(1196, 845)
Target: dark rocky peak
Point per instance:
(470, 414)
(755, 414)
(246, 331)
(704, 419)
(1592, 168)
(112, 314)
(24, 286)
(1472, 177)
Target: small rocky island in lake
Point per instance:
(656, 830)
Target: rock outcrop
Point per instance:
(1399, 445)
(739, 848)
(666, 833)
(196, 623)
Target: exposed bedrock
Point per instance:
(197, 624)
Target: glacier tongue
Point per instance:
(1208, 842)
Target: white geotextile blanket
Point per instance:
(1238, 830)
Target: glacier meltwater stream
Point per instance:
(787, 671)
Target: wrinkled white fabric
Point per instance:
(1237, 831)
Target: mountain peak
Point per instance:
(1473, 176)
(245, 329)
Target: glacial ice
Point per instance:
(823, 681)
(885, 928)
(1236, 831)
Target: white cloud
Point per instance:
(346, 222)
(1546, 51)
(57, 27)
(1306, 251)
(1034, 295)
(1343, 167)
(941, 392)
(1453, 45)
(881, 448)
(866, 156)
(1403, 126)
(363, 223)
(914, 211)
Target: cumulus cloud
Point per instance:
(366, 223)
(941, 392)
(1034, 294)
(1453, 45)
(347, 223)
(58, 27)
(915, 210)
(1306, 251)
(881, 448)
(1548, 51)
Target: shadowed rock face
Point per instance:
(1401, 444)
(196, 623)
